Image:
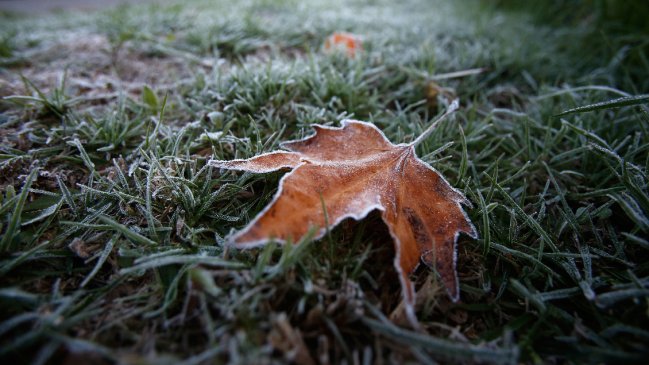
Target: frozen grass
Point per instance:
(113, 224)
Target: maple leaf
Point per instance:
(347, 172)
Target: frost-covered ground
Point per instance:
(113, 225)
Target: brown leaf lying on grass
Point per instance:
(351, 44)
(348, 172)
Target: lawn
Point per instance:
(115, 226)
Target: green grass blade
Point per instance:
(14, 220)
(130, 234)
(609, 104)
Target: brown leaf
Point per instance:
(350, 43)
(348, 172)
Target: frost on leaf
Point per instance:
(353, 170)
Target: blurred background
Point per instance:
(40, 6)
(632, 14)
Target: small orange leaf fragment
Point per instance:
(354, 170)
(350, 43)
